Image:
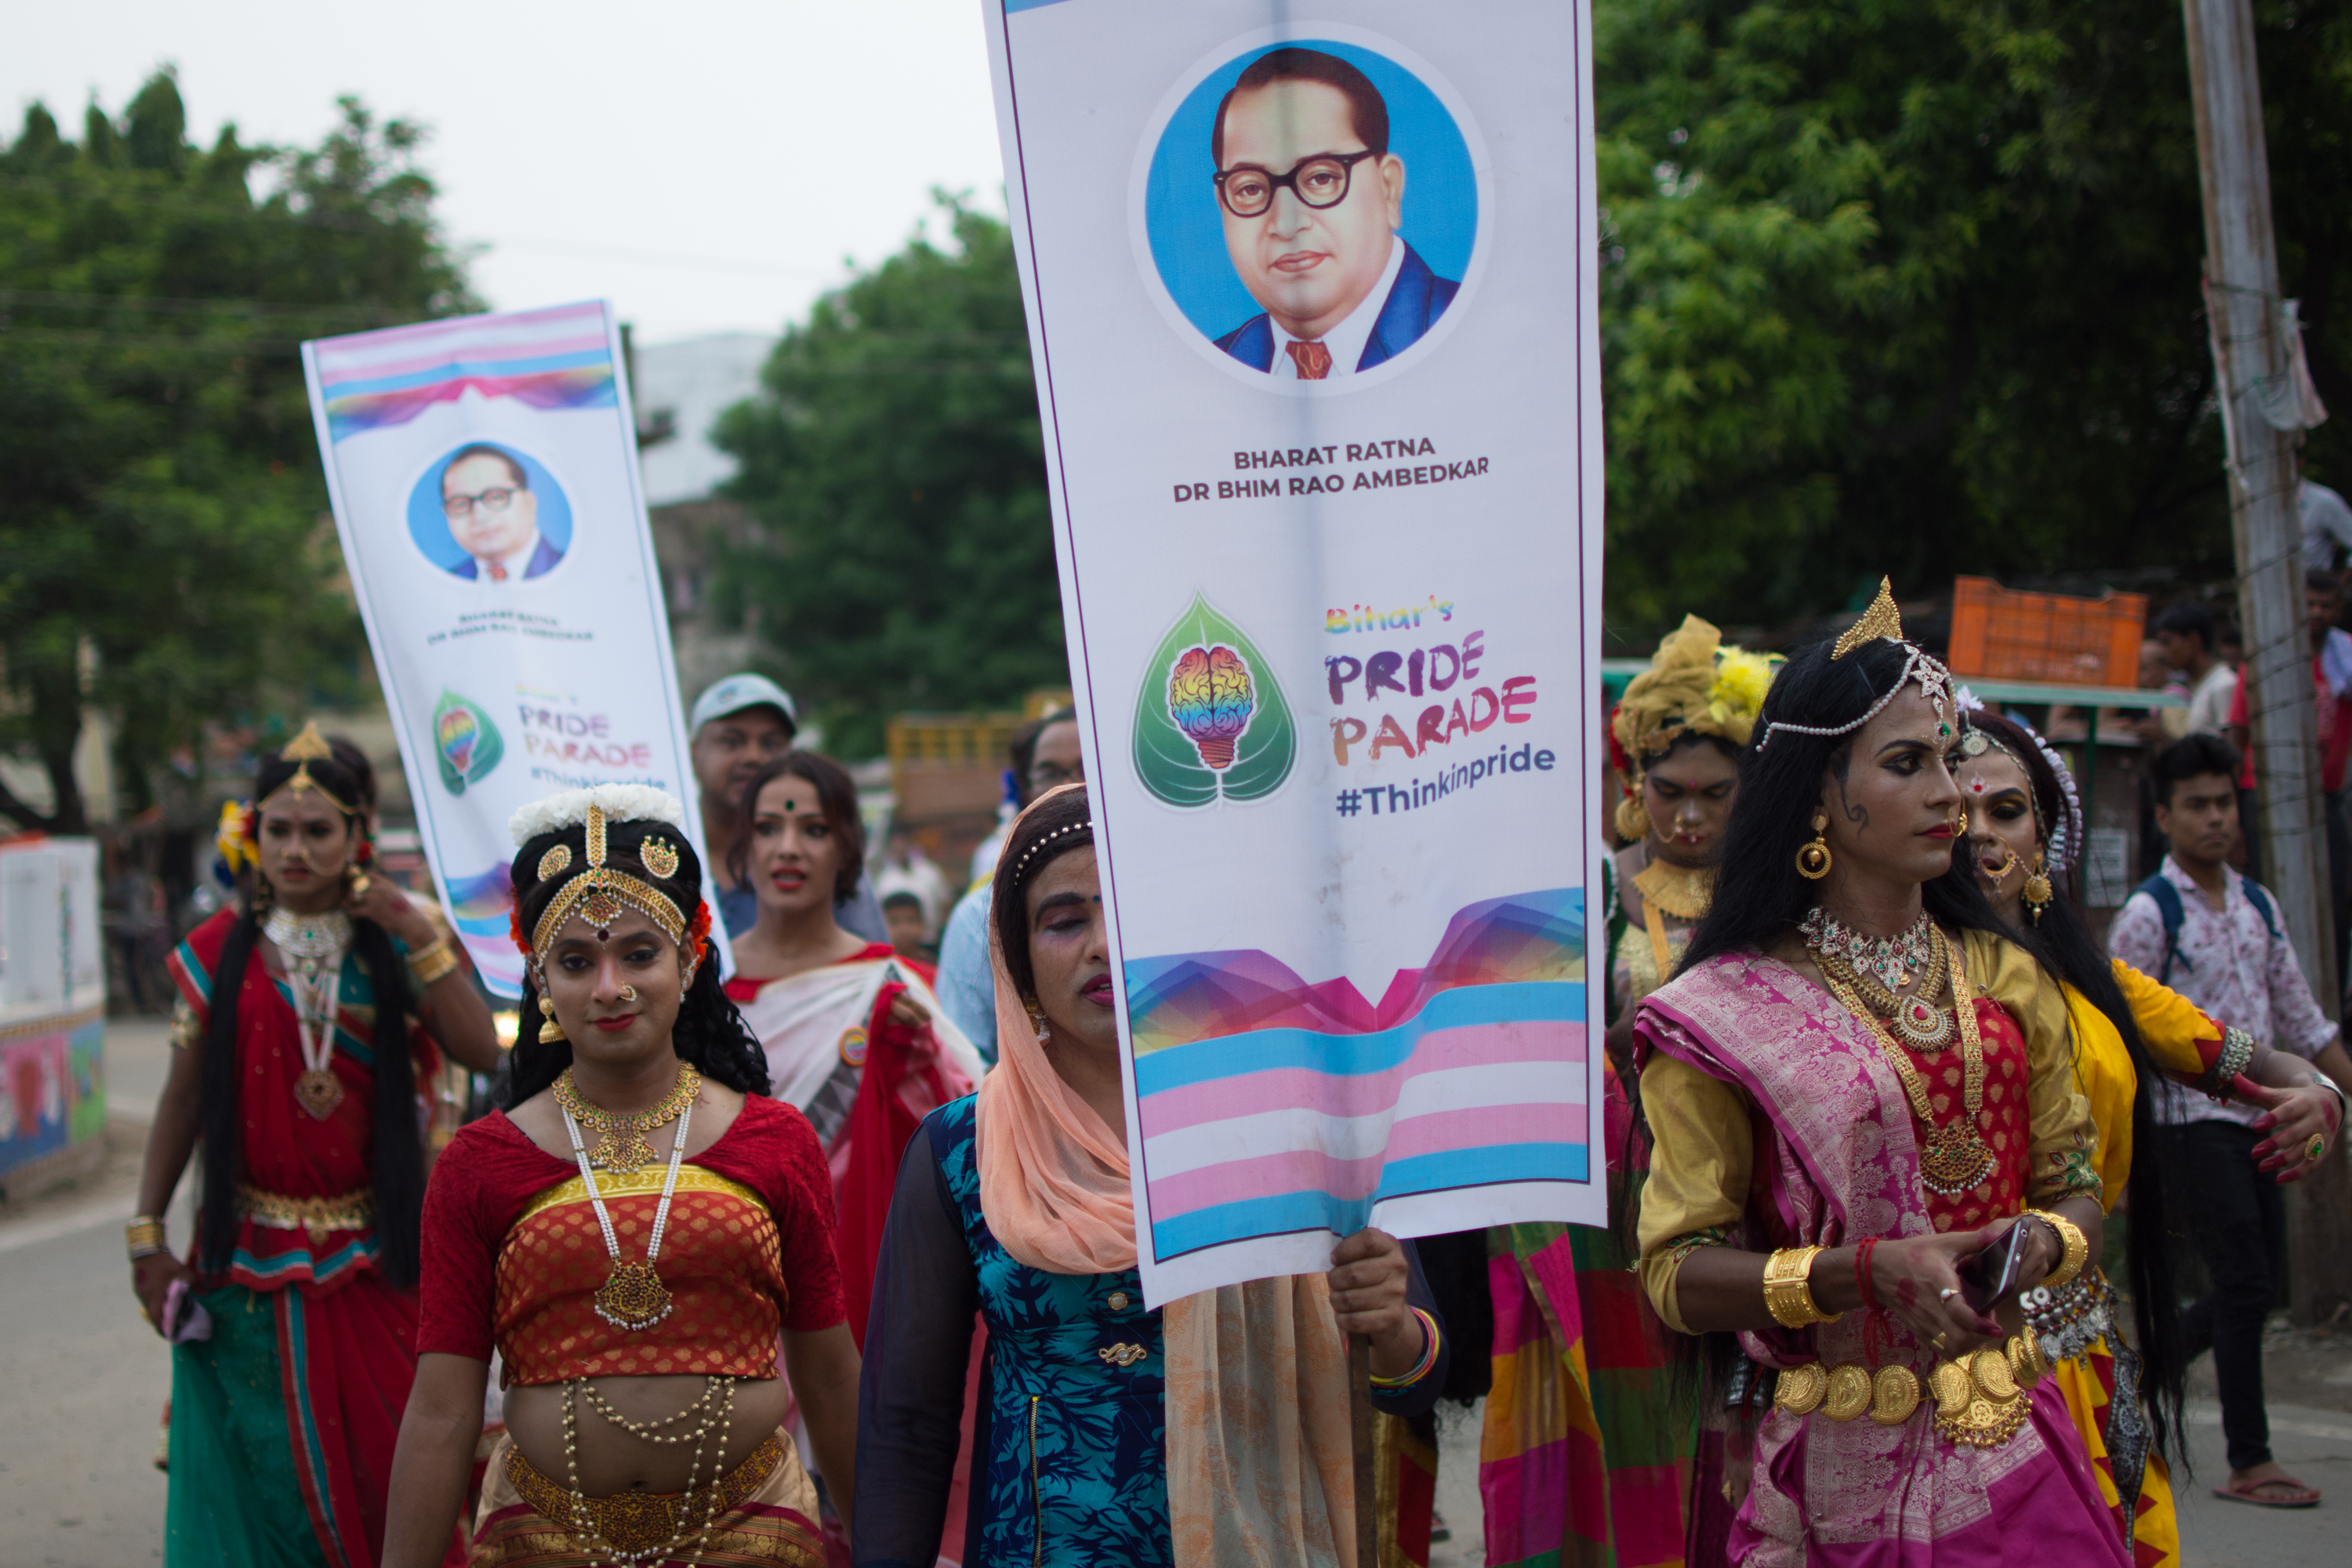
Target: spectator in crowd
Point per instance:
(910, 930)
(1045, 754)
(2327, 525)
(2159, 727)
(2331, 684)
(2186, 632)
(2216, 938)
(905, 869)
(740, 724)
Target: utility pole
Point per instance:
(2257, 366)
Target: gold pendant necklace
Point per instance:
(1917, 1017)
(1683, 891)
(1954, 1158)
(621, 1145)
(632, 1296)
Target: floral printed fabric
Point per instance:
(1071, 1445)
(2228, 963)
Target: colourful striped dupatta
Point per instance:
(1586, 1457)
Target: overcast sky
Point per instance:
(707, 164)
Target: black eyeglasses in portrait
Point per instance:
(1319, 182)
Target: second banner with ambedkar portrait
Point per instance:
(484, 475)
(1311, 301)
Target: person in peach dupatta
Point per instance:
(1214, 1430)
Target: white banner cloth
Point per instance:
(1312, 305)
(484, 475)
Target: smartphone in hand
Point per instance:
(1992, 1273)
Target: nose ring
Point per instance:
(628, 992)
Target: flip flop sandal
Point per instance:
(2307, 1496)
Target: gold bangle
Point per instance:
(431, 962)
(2076, 1246)
(1787, 1290)
(143, 1236)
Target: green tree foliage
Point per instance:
(1913, 286)
(904, 552)
(164, 552)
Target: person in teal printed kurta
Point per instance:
(1105, 1432)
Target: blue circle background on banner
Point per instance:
(430, 529)
(1186, 228)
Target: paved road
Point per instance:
(85, 1380)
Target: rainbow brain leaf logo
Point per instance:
(1211, 720)
(466, 744)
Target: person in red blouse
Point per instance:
(634, 1234)
(311, 1017)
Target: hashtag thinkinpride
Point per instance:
(1391, 800)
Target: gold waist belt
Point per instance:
(635, 1523)
(1980, 1398)
(320, 1216)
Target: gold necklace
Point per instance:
(1954, 1158)
(620, 1146)
(1917, 1017)
(1682, 891)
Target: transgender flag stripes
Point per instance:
(1292, 1128)
(555, 358)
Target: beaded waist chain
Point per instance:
(321, 1217)
(1979, 1399)
(634, 1523)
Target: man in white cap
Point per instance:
(740, 724)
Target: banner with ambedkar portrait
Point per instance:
(484, 477)
(1313, 311)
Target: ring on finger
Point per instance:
(2313, 1148)
(1946, 1294)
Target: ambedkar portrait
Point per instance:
(494, 517)
(1312, 200)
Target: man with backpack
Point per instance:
(2210, 934)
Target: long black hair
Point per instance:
(2063, 942)
(397, 1156)
(709, 1033)
(1057, 824)
(1759, 895)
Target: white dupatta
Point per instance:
(813, 1027)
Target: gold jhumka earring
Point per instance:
(549, 1031)
(1813, 858)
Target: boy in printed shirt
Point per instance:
(2226, 951)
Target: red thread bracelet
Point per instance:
(1861, 1271)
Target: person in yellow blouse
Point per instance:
(1856, 1091)
(2026, 836)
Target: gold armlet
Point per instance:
(2076, 1245)
(431, 962)
(1787, 1292)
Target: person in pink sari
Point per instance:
(1869, 1149)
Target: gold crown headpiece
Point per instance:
(308, 747)
(598, 893)
(1882, 622)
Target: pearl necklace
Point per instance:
(313, 947)
(632, 1296)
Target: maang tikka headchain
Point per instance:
(1882, 622)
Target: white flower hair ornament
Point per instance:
(619, 803)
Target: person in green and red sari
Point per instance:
(309, 1017)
